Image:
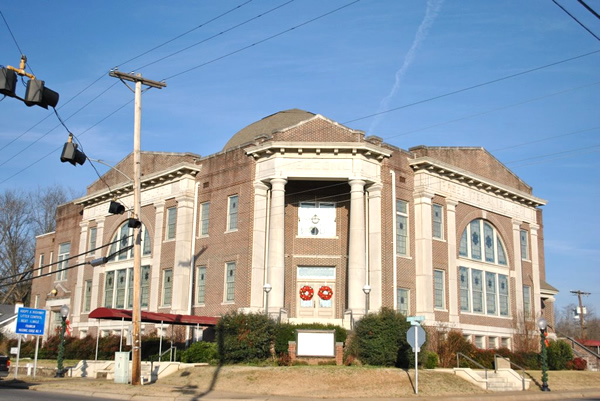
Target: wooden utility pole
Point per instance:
(581, 318)
(136, 313)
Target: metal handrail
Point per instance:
(459, 354)
(496, 356)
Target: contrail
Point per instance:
(433, 9)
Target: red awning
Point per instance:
(154, 317)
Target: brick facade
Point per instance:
(317, 160)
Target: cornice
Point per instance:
(456, 174)
(316, 149)
(155, 179)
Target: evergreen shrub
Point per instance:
(381, 339)
(200, 352)
(244, 337)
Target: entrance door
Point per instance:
(311, 282)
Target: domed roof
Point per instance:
(268, 125)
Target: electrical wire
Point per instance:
(66, 259)
(126, 249)
(214, 36)
(590, 9)
(260, 41)
(576, 20)
(14, 39)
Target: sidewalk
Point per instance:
(152, 392)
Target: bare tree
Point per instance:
(16, 245)
(568, 324)
(23, 216)
(43, 212)
(526, 337)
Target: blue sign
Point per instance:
(31, 321)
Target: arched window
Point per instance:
(124, 238)
(481, 241)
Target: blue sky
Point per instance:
(437, 65)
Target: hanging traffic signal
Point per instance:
(8, 82)
(71, 154)
(116, 208)
(38, 95)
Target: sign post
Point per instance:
(416, 337)
(32, 322)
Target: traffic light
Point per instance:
(38, 95)
(134, 223)
(116, 208)
(8, 82)
(71, 154)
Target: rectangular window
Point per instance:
(125, 241)
(204, 213)
(490, 292)
(130, 288)
(464, 289)
(488, 233)
(87, 296)
(63, 255)
(505, 342)
(527, 301)
(403, 301)
(109, 286)
(438, 286)
(167, 286)
(232, 213)
(230, 282)
(92, 242)
(479, 342)
(524, 245)
(475, 240)
(402, 228)
(171, 222)
(145, 285)
(503, 294)
(201, 280)
(146, 243)
(317, 219)
(462, 248)
(121, 285)
(438, 222)
(492, 342)
(41, 265)
(477, 280)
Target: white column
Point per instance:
(424, 254)
(181, 262)
(516, 229)
(535, 269)
(376, 295)
(259, 236)
(356, 248)
(452, 262)
(157, 241)
(276, 263)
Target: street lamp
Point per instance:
(267, 288)
(543, 324)
(60, 371)
(367, 290)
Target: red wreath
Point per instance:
(306, 293)
(325, 293)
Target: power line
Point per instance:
(590, 9)
(262, 41)
(13, 37)
(576, 20)
(214, 36)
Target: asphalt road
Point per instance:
(29, 395)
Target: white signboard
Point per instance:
(315, 343)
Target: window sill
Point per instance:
(439, 239)
(169, 240)
(440, 310)
(228, 303)
(404, 257)
(231, 231)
